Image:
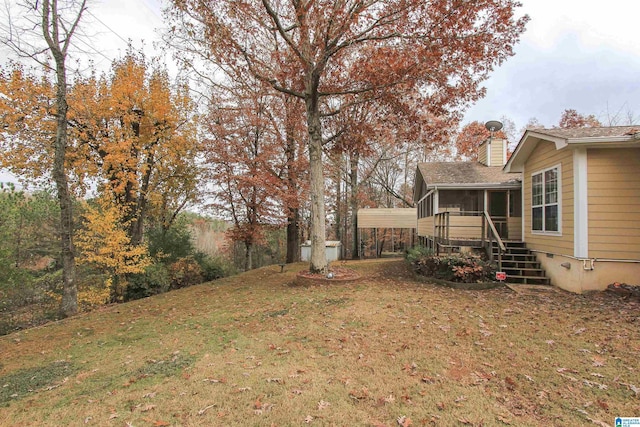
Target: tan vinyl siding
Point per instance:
(460, 227)
(465, 227)
(387, 218)
(613, 183)
(514, 228)
(482, 153)
(425, 226)
(497, 152)
(545, 156)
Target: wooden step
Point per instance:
(520, 270)
(511, 244)
(518, 251)
(517, 257)
(520, 264)
(531, 280)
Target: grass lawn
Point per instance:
(253, 350)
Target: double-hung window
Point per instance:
(545, 201)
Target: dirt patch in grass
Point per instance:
(166, 367)
(253, 350)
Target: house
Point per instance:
(459, 202)
(564, 209)
(581, 203)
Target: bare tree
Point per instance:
(623, 116)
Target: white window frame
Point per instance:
(544, 204)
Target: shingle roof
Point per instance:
(465, 173)
(595, 132)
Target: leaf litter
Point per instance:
(569, 348)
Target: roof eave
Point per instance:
(605, 142)
(476, 185)
(525, 147)
(531, 138)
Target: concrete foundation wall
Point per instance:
(577, 279)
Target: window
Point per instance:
(545, 205)
(425, 207)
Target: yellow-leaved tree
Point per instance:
(105, 244)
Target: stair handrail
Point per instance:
(494, 234)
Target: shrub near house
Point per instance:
(453, 268)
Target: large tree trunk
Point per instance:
(69, 303)
(318, 262)
(51, 30)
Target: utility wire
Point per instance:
(107, 27)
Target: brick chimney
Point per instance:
(493, 152)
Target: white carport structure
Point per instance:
(386, 218)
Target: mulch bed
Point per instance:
(338, 275)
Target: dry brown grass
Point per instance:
(255, 350)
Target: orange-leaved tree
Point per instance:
(244, 154)
(27, 115)
(139, 135)
(323, 51)
(470, 137)
(570, 118)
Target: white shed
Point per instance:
(333, 249)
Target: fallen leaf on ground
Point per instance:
(323, 405)
(203, 410)
(504, 420)
(404, 421)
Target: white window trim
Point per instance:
(542, 171)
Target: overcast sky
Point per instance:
(574, 54)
